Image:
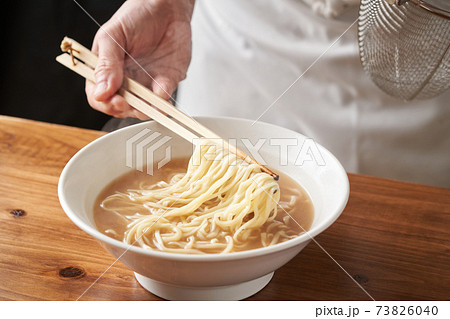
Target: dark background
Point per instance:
(32, 84)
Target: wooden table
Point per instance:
(393, 238)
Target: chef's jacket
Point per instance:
(247, 53)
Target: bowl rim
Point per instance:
(304, 237)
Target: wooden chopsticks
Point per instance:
(147, 102)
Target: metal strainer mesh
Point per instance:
(404, 48)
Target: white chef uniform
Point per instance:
(246, 53)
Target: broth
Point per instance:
(114, 226)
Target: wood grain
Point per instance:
(393, 237)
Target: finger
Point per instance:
(116, 106)
(139, 115)
(163, 86)
(134, 113)
(121, 106)
(109, 70)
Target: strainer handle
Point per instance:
(430, 5)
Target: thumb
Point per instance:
(109, 69)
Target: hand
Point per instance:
(157, 34)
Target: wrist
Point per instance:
(177, 9)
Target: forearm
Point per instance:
(172, 9)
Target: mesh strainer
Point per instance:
(404, 46)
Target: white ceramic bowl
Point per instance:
(204, 277)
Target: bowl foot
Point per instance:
(231, 292)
